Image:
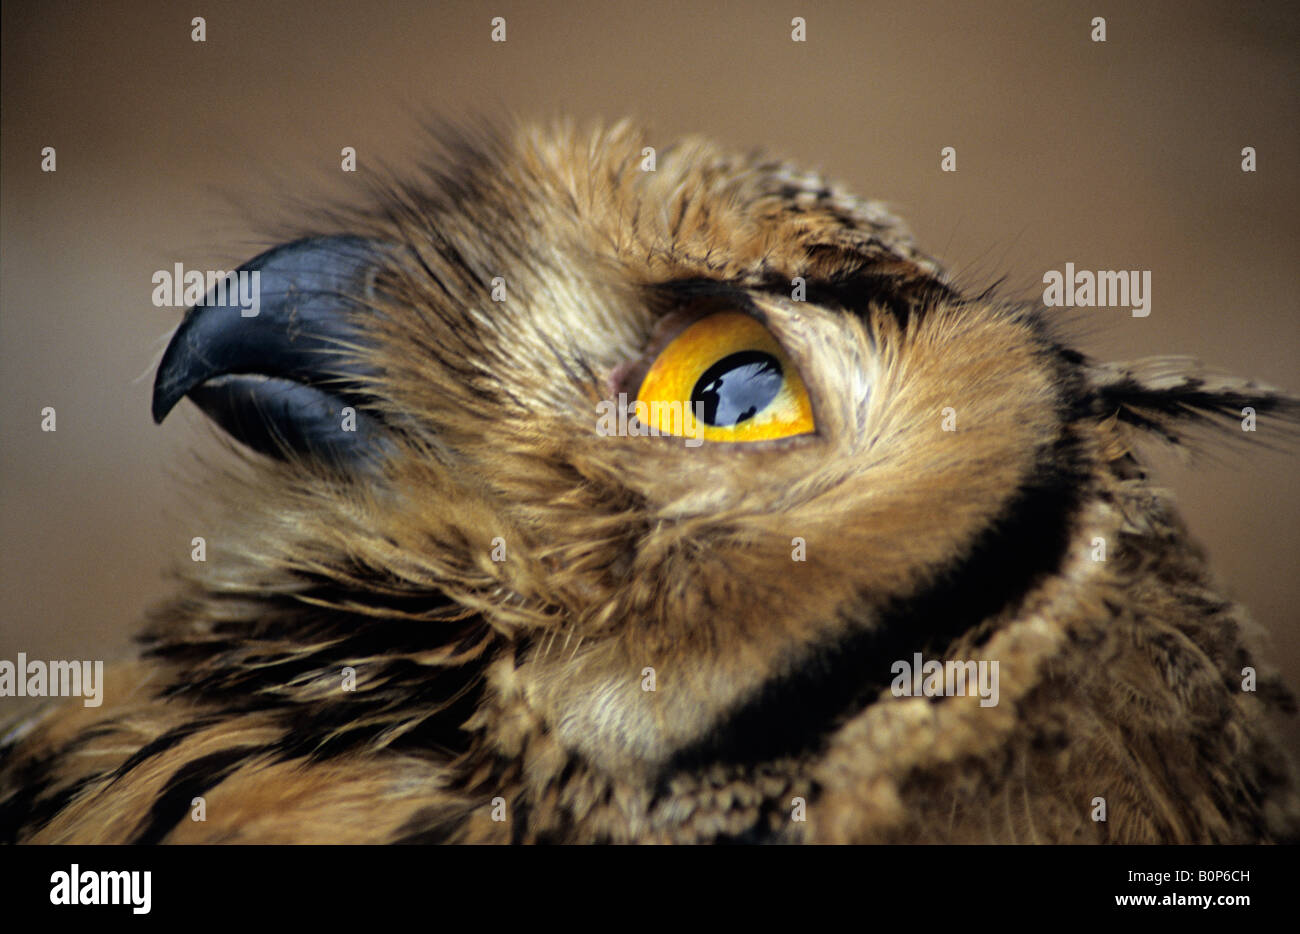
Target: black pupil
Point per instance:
(737, 387)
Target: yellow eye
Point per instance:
(730, 381)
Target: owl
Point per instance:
(579, 490)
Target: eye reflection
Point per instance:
(738, 387)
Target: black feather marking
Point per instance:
(160, 745)
(795, 715)
(1171, 397)
(186, 783)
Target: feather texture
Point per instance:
(499, 577)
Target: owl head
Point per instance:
(593, 456)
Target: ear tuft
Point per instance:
(1172, 397)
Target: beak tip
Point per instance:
(164, 400)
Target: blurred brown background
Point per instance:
(1122, 155)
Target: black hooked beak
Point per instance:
(265, 355)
